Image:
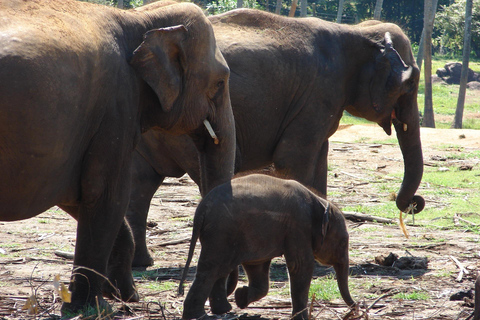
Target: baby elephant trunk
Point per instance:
(342, 280)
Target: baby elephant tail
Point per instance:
(193, 243)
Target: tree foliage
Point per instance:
(449, 28)
(220, 6)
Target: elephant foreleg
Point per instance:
(145, 182)
(321, 170)
(300, 269)
(258, 284)
(305, 162)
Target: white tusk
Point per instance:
(210, 130)
(405, 127)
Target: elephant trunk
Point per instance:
(409, 141)
(341, 270)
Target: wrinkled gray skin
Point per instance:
(79, 83)
(251, 220)
(291, 79)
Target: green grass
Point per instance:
(414, 295)
(324, 288)
(160, 286)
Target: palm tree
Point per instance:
(340, 11)
(428, 118)
(378, 10)
(457, 121)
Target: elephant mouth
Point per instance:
(386, 124)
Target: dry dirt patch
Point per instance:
(28, 262)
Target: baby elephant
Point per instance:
(251, 220)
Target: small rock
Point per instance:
(459, 296)
(386, 261)
(409, 263)
(443, 169)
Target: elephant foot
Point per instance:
(143, 259)
(241, 297)
(220, 307)
(127, 293)
(97, 307)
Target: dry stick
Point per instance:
(173, 242)
(466, 221)
(381, 297)
(364, 217)
(462, 269)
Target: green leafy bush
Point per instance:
(450, 26)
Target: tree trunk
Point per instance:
(278, 7)
(293, 8)
(303, 8)
(457, 122)
(378, 10)
(340, 11)
(120, 4)
(421, 44)
(428, 117)
(239, 3)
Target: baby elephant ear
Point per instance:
(325, 220)
(160, 60)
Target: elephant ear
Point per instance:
(160, 60)
(325, 220)
(391, 73)
(399, 67)
(320, 222)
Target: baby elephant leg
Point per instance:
(206, 277)
(218, 297)
(300, 278)
(258, 284)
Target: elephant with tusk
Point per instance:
(291, 80)
(80, 83)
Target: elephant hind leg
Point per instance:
(232, 281)
(120, 278)
(218, 297)
(258, 284)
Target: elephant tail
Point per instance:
(193, 242)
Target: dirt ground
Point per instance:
(358, 157)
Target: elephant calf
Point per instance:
(251, 220)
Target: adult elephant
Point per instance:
(78, 85)
(291, 80)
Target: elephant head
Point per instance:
(186, 88)
(387, 93)
(330, 244)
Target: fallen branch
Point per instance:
(173, 242)
(356, 216)
(64, 254)
(466, 221)
(461, 267)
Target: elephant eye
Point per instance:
(220, 84)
